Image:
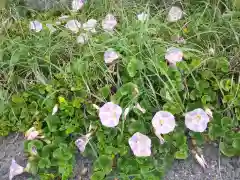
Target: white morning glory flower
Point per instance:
(82, 38)
(109, 23)
(197, 120)
(77, 4)
(209, 112)
(90, 25)
(62, 18)
(163, 122)
(32, 133)
(140, 145)
(127, 110)
(82, 142)
(109, 114)
(173, 55)
(110, 55)
(55, 109)
(51, 28)
(143, 17)
(73, 25)
(138, 106)
(35, 26)
(15, 169)
(175, 14)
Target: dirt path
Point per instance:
(228, 169)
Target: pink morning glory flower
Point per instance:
(90, 25)
(109, 114)
(15, 169)
(32, 133)
(82, 142)
(77, 4)
(110, 56)
(140, 145)
(175, 14)
(197, 120)
(109, 23)
(174, 55)
(35, 26)
(163, 122)
(73, 25)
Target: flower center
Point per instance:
(114, 115)
(197, 119)
(161, 121)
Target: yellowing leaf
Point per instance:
(61, 99)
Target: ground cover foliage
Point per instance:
(40, 71)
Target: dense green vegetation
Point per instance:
(43, 70)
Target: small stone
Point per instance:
(4, 168)
(11, 147)
(237, 171)
(2, 154)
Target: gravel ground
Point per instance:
(11, 147)
(220, 168)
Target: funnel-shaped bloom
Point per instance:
(15, 169)
(163, 122)
(35, 26)
(173, 55)
(110, 56)
(197, 120)
(140, 145)
(175, 14)
(82, 142)
(109, 23)
(110, 114)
